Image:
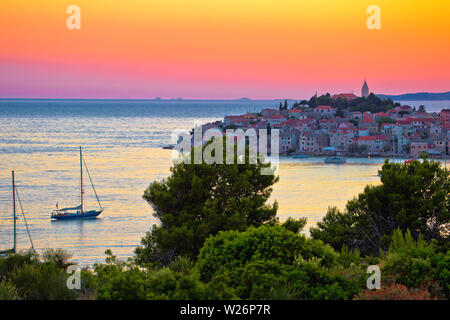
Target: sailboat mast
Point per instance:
(14, 210)
(81, 180)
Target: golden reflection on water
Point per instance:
(306, 188)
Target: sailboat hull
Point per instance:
(72, 216)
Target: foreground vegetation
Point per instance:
(219, 239)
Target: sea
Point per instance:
(122, 144)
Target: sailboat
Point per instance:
(78, 212)
(16, 193)
(335, 159)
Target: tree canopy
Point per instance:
(371, 103)
(411, 196)
(199, 200)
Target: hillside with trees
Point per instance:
(372, 103)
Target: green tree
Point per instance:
(411, 196)
(355, 122)
(271, 262)
(119, 280)
(417, 264)
(385, 120)
(294, 225)
(199, 200)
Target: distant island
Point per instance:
(417, 96)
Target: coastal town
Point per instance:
(304, 129)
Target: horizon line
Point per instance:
(216, 99)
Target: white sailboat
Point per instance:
(78, 212)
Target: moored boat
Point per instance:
(78, 211)
(78, 214)
(335, 159)
(299, 156)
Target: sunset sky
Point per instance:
(218, 49)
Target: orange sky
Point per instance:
(221, 49)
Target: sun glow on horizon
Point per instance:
(221, 49)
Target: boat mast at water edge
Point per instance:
(16, 194)
(14, 211)
(81, 180)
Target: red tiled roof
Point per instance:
(382, 137)
(269, 110)
(404, 121)
(423, 119)
(234, 117)
(277, 116)
(344, 95)
(290, 121)
(367, 138)
(326, 120)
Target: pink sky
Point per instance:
(222, 50)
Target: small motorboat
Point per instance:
(170, 147)
(299, 156)
(335, 159)
(78, 211)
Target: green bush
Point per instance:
(233, 249)
(259, 279)
(416, 264)
(8, 291)
(44, 281)
(118, 280)
(60, 257)
(25, 276)
(271, 261)
(12, 262)
(412, 196)
(294, 225)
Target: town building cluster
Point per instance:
(306, 130)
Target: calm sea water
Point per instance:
(122, 146)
